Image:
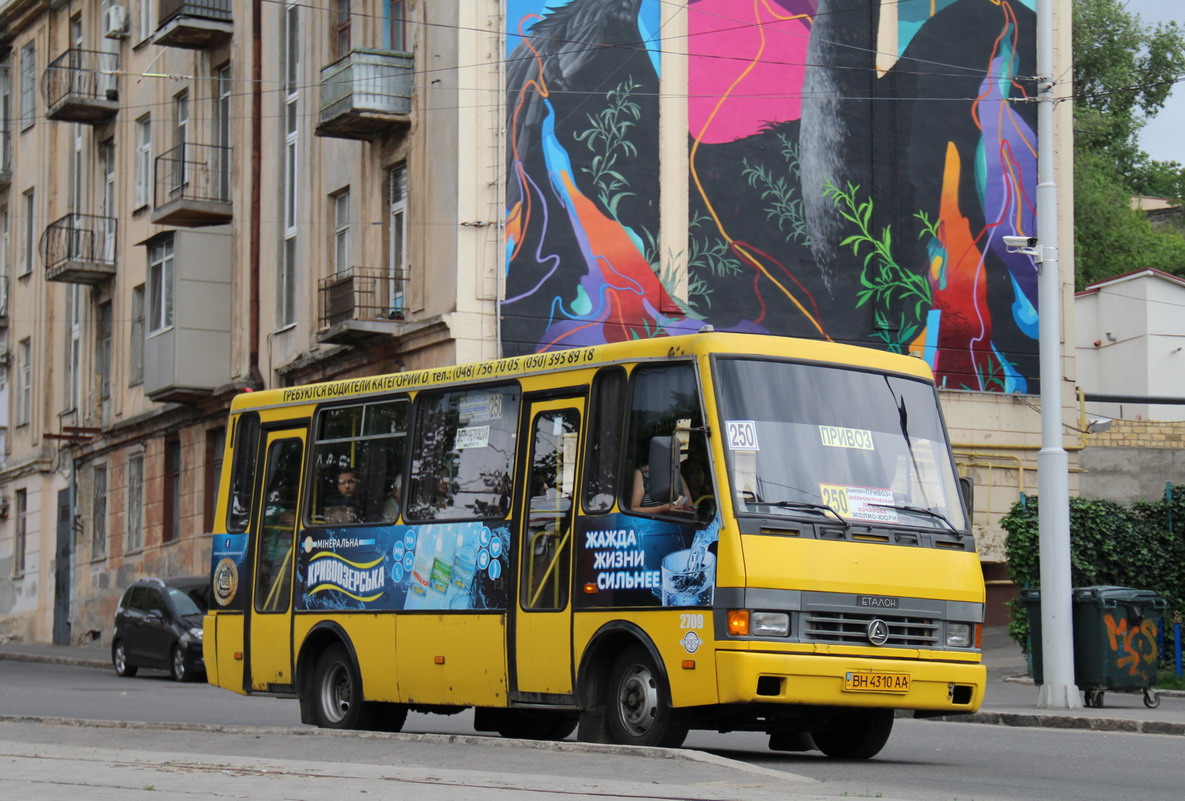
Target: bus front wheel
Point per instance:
(638, 703)
(337, 690)
(857, 734)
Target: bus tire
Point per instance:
(856, 734)
(337, 691)
(638, 703)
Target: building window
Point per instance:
(5, 118)
(30, 234)
(107, 198)
(180, 137)
(172, 517)
(77, 171)
(286, 291)
(222, 131)
(103, 358)
(99, 512)
(341, 28)
(28, 84)
(136, 346)
(394, 25)
(215, 447)
(143, 161)
(4, 257)
(341, 231)
(398, 239)
(286, 288)
(73, 347)
(21, 535)
(145, 19)
(135, 521)
(24, 397)
(160, 286)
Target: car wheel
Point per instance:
(859, 734)
(119, 657)
(178, 666)
(638, 703)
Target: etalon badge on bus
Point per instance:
(878, 631)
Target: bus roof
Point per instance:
(555, 360)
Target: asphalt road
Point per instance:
(924, 760)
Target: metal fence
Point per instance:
(205, 9)
(192, 172)
(84, 74)
(361, 293)
(85, 238)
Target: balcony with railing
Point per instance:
(192, 186)
(359, 303)
(3, 301)
(194, 24)
(81, 86)
(366, 95)
(79, 249)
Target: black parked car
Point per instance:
(159, 625)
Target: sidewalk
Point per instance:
(1011, 698)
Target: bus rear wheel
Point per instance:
(638, 704)
(856, 734)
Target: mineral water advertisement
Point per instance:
(635, 561)
(462, 566)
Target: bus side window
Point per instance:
(461, 460)
(358, 453)
(606, 415)
(242, 475)
(663, 406)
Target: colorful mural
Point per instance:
(851, 171)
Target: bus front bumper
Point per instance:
(836, 680)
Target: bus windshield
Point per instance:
(816, 440)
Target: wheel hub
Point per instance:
(638, 700)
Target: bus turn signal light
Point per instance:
(689, 664)
(590, 589)
(738, 622)
(439, 660)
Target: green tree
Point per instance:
(1124, 71)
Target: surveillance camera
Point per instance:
(1020, 241)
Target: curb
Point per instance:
(1022, 720)
(73, 661)
(677, 754)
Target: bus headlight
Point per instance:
(958, 635)
(769, 624)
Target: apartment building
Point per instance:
(203, 197)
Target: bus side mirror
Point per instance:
(664, 466)
(967, 490)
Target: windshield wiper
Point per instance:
(918, 510)
(817, 508)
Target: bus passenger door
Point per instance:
(269, 651)
(542, 628)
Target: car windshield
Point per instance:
(868, 445)
(191, 602)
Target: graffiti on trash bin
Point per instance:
(1134, 645)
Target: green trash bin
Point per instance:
(1116, 640)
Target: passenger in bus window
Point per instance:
(346, 505)
(394, 499)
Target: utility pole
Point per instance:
(1053, 467)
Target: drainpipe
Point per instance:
(256, 171)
